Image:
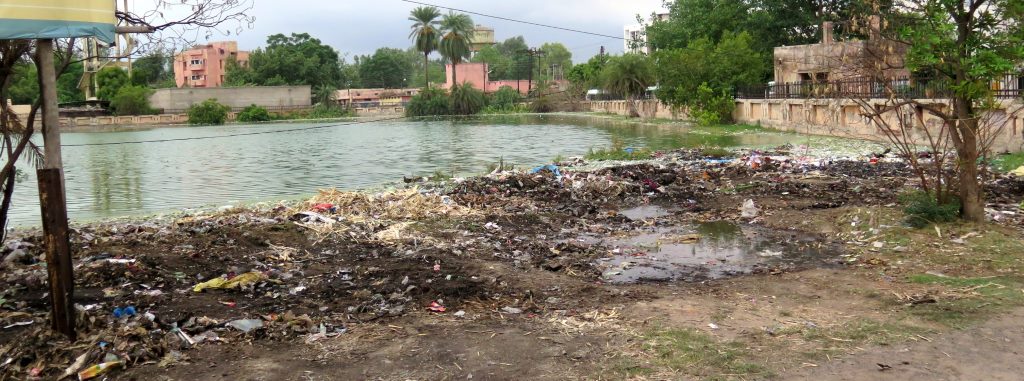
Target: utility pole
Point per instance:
(532, 52)
(52, 200)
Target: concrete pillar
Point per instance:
(827, 33)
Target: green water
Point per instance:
(107, 180)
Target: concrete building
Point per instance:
(274, 98)
(374, 97)
(635, 35)
(831, 60)
(204, 65)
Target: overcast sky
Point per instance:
(360, 27)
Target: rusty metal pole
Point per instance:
(52, 201)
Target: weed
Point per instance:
(923, 209)
(1009, 162)
(967, 299)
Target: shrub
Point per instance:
(429, 102)
(542, 105)
(467, 100)
(922, 209)
(506, 98)
(254, 113)
(132, 100)
(329, 111)
(711, 107)
(208, 112)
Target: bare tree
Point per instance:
(959, 48)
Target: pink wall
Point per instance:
(475, 73)
(209, 72)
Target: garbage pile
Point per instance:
(147, 292)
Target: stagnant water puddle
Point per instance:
(648, 211)
(703, 251)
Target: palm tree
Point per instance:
(455, 42)
(629, 75)
(425, 34)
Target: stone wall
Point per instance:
(273, 98)
(647, 108)
(841, 117)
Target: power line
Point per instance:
(525, 22)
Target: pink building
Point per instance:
(204, 65)
(476, 74)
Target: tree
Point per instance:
(588, 75)
(722, 67)
(386, 68)
(24, 87)
(208, 112)
(425, 35)
(519, 62)
(457, 31)
(506, 98)
(967, 45)
(109, 81)
(154, 69)
(466, 99)
(556, 56)
(298, 59)
(132, 100)
(429, 102)
(629, 75)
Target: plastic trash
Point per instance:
(550, 167)
(1018, 172)
(239, 281)
(325, 208)
(245, 325)
(124, 312)
(511, 310)
(436, 307)
(749, 210)
(98, 370)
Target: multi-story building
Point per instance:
(205, 65)
(635, 35)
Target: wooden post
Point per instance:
(52, 200)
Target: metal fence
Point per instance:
(1008, 87)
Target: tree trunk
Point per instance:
(971, 195)
(454, 76)
(426, 70)
(5, 205)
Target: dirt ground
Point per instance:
(636, 271)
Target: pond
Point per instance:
(109, 174)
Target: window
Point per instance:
(197, 62)
(197, 77)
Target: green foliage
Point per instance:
(429, 102)
(425, 34)
(154, 69)
(467, 100)
(922, 209)
(132, 100)
(722, 67)
(629, 75)
(24, 87)
(386, 68)
(506, 59)
(588, 75)
(208, 112)
(1009, 162)
(506, 98)
(457, 34)
(556, 56)
(711, 107)
(254, 113)
(618, 151)
(321, 111)
(110, 80)
(298, 59)
(542, 104)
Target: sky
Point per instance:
(360, 27)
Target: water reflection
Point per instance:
(132, 179)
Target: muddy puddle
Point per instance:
(704, 251)
(648, 211)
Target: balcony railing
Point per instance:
(1009, 87)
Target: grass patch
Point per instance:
(739, 127)
(1008, 162)
(695, 353)
(967, 299)
(716, 152)
(619, 151)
